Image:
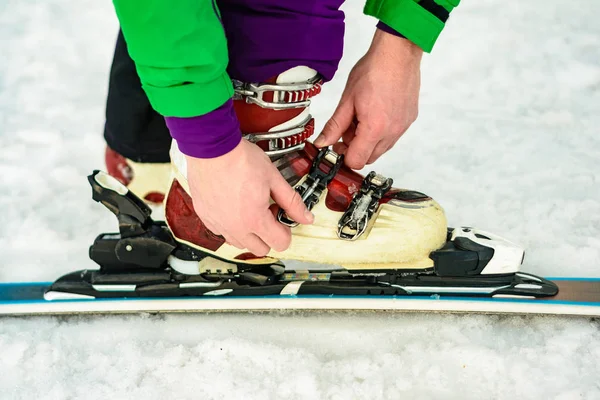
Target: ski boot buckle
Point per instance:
(316, 181)
(284, 95)
(356, 218)
(286, 140)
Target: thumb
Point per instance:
(338, 123)
(290, 201)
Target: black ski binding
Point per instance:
(144, 260)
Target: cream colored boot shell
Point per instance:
(149, 177)
(399, 235)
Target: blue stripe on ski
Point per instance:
(572, 279)
(32, 292)
(7, 284)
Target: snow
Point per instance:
(507, 141)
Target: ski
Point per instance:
(143, 268)
(576, 297)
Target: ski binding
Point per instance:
(143, 260)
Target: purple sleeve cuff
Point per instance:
(207, 136)
(389, 29)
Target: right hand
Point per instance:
(231, 196)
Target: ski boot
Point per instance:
(379, 240)
(148, 181)
(364, 225)
(360, 223)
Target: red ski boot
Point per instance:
(360, 222)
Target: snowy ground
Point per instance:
(508, 140)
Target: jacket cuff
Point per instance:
(190, 99)
(207, 136)
(388, 29)
(408, 18)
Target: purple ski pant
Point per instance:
(264, 39)
(267, 37)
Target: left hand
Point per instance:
(379, 103)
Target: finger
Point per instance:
(384, 146)
(255, 245)
(362, 146)
(274, 209)
(350, 134)
(277, 236)
(211, 226)
(289, 200)
(347, 137)
(337, 124)
(340, 148)
(378, 151)
(234, 242)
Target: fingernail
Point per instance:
(309, 216)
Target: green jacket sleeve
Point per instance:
(180, 52)
(421, 21)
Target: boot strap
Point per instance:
(281, 97)
(284, 141)
(278, 96)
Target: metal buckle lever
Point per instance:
(276, 138)
(356, 218)
(253, 93)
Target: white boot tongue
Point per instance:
(296, 75)
(178, 160)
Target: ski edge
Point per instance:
(304, 303)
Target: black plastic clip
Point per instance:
(316, 181)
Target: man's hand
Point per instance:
(380, 101)
(231, 195)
